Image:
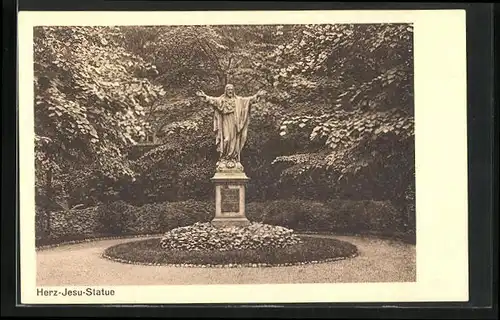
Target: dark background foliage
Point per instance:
(116, 117)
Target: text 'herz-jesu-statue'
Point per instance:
(231, 118)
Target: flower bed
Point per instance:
(204, 236)
(309, 250)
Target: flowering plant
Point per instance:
(204, 236)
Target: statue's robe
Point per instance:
(231, 118)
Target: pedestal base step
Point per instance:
(230, 222)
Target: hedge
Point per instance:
(120, 218)
(344, 216)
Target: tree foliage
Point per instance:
(90, 95)
(362, 77)
(337, 120)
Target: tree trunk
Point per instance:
(50, 197)
(224, 79)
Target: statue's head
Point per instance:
(229, 91)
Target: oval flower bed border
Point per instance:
(232, 265)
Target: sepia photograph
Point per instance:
(232, 143)
(223, 154)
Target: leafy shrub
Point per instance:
(295, 214)
(365, 216)
(410, 208)
(59, 226)
(119, 218)
(41, 226)
(184, 213)
(336, 215)
(254, 211)
(145, 219)
(70, 223)
(159, 217)
(112, 217)
(384, 217)
(204, 236)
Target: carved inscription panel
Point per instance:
(230, 199)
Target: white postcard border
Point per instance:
(441, 162)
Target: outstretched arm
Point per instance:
(211, 100)
(257, 95)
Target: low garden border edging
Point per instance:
(231, 265)
(65, 243)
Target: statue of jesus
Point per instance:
(231, 118)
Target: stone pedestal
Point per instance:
(230, 197)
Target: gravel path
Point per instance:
(82, 264)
